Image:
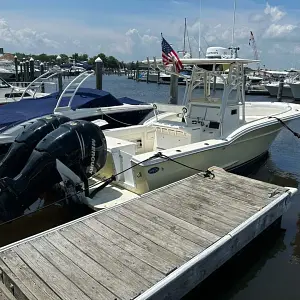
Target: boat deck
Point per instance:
(158, 246)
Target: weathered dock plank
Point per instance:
(5, 294)
(159, 246)
(144, 254)
(175, 207)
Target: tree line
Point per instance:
(109, 62)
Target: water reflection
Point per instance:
(45, 213)
(268, 172)
(295, 257)
(236, 274)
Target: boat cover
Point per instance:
(26, 109)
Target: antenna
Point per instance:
(184, 36)
(233, 27)
(199, 28)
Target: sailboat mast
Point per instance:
(199, 28)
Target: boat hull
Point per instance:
(233, 156)
(273, 90)
(295, 87)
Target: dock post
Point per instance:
(31, 65)
(27, 72)
(215, 79)
(59, 76)
(21, 73)
(99, 73)
(280, 90)
(42, 70)
(16, 68)
(137, 74)
(24, 70)
(173, 88)
(148, 69)
(157, 69)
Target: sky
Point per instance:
(130, 29)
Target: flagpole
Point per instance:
(199, 28)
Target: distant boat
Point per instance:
(11, 93)
(74, 102)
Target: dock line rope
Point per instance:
(109, 180)
(296, 134)
(207, 174)
(41, 208)
(116, 120)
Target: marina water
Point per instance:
(268, 268)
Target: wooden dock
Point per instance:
(159, 246)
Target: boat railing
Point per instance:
(41, 80)
(71, 89)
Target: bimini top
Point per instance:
(208, 61)
(27, 109)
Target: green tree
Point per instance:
(83, 57)
(64, 58)
(112, 62)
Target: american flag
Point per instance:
(169, 55)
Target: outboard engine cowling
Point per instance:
(20, 150)
(79, 145)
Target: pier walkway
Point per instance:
(158, 246)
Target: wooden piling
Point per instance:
(27, 72)
(148, 69)
(16, 68)
(173, 88)
(21, 72)
(280, 90)
(42, 71)
(99, 73)
(31, 66)
(59, 76)
(137, 74)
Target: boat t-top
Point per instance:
(180, 140)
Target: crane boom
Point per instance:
(252, 43)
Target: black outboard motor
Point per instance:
(19, 152)
(79, 145)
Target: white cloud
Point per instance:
(134, 37)
(136, 42)
(257, 18)
(280, 31)
(274, 12)
(25, 38)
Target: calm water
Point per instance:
(268, 269)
